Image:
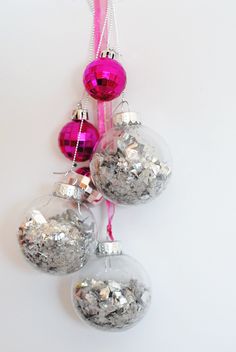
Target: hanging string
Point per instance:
(113, 23)
(116, 29)
(116, 45)
(100, 39)
(103, 33)
(85, 95)
(103, 41)
(77, 142)
(83, 103)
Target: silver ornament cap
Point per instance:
(126, 118)
(77, 187)
(108, 53)
(67, 191)
(80, 114)
(107, 248)
(87, 188)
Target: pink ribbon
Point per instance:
(104, 110)
(111, 213)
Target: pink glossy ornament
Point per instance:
(105, 78)
(69, 134)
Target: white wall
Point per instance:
(180, 57)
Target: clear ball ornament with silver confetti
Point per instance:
(131, 164)
(112, 292)
(57, 235)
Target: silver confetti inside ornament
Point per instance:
(131, 164)
(113, 291)
(58, 232)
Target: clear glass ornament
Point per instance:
(131, 164)
(113, 291)
(57, 234)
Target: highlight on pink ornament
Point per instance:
(78, 137)
(105, 78)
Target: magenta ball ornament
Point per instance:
(69, 134)
(104, 78)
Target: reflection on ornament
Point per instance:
(105, 78)
(131, 164)
(69, 135)
(112, 292)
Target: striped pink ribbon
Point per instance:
(104, 110)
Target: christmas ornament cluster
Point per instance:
(129, 164)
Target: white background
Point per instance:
(180, 57)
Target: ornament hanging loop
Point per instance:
(122, 104)
(73, 180)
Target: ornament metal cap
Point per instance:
(108, 53)
(107, 248)
(126, 118)
(80, 114)
(77, 187)
(67, 191)
(90, 193)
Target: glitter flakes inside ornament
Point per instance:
(111, 304)
(55, 237)
(112, 292)
(128, 166)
